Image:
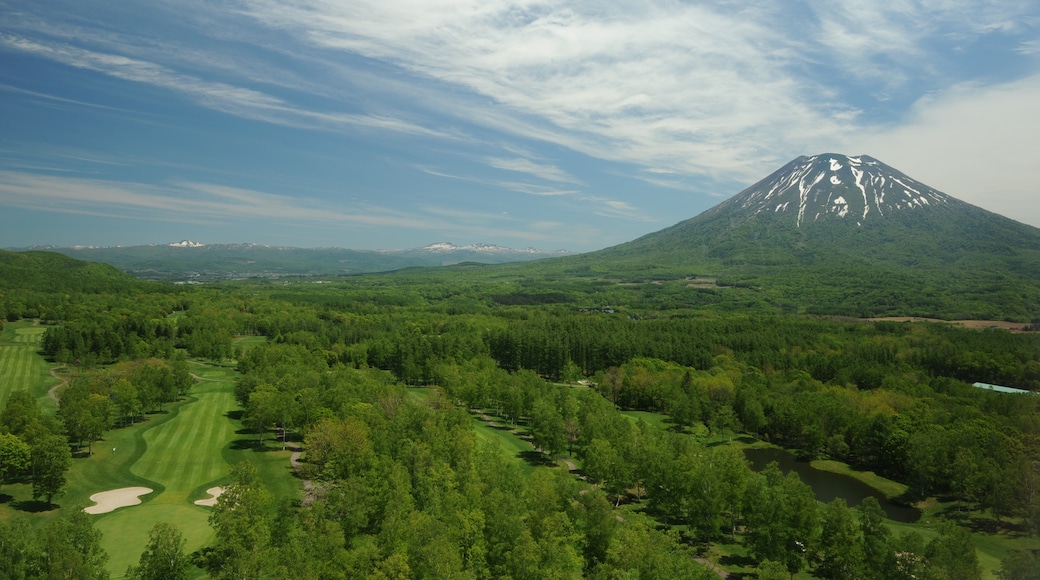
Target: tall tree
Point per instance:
(71, 548)
(50, 457)
(951, 556)
(163, 558)
(242, 523)
(841, 551)
(18, 548)
(14, 456)
(878, 558)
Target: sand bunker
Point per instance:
(210, 501)
(114, 499)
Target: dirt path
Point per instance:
(710, 566)
(1015, 327)
(309, 493)
(62, 381)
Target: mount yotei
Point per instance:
(836, 234)
(854, 189)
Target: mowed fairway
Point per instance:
(183, 457)
(21, 367)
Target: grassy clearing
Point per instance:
(889, 488)
(662, 422)
(185, 455)
(179, 454)
(248, 342)
(21, 366)
(508, 444)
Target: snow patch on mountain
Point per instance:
(837, 186)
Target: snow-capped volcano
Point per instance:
(833, 234)
(821, 187)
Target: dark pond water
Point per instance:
(828, 486)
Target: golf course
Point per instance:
(178, 455)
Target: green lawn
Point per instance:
(886, 486)
(21, 366)
(179, 454)
(246, 342)
(509, 445)
(658, 420)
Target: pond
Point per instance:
(826, 485)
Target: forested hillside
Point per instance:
(474, 425)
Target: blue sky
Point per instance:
(554, 125)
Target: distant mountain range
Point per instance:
(828, 234)
(193, 261)
(838, 234)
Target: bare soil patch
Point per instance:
(1012, 326)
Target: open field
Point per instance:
(21, 366)
(891, 489)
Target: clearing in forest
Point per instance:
(183, 454)
(21, 366)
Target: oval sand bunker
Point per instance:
(210, 501)
(114, 499)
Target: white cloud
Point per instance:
(976, 143)
(716, 92)
(521, 165)
(186, 202)
(235, 100)
(679, 86)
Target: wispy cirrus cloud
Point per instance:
(221, 96)
(188, 202)
(700, 88)
(540, 170)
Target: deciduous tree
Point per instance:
(51, 457)
(14, 456)
(163, 558)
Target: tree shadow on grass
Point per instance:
(536, 459)
(735, 560)
(34, 506)
(4, 498)
(253, 444)
(235, 415)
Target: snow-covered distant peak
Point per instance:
(448, 247)
(185, 244)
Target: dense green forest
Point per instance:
(379, 379)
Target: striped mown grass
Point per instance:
(180, 456)
(21, 366)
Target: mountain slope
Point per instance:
(52, 272)
(850, 235)
(195, 261)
